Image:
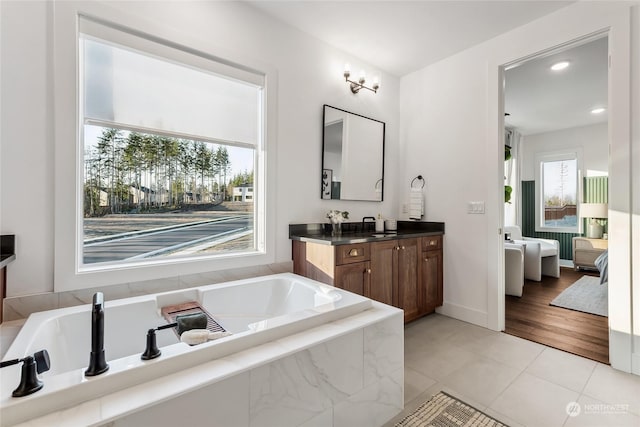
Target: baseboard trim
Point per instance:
(466, 314)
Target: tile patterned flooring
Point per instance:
(516, 381)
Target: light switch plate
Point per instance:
(475, 207)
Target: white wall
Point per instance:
(309, 75)
(593, 140)
(451, 121)
(635, 183)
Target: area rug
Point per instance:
(586, 295)
(444, 410)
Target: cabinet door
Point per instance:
(410, 297)
(432, 280)
(353, 277)
(384, 264)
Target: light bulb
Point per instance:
(376, 83)
(347, 70)
(362, 78)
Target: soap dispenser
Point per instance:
(379, 224)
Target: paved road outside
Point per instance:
(162, 242)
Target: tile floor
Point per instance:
(518, 382)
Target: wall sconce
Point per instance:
(360, 84)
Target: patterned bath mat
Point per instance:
(443, 410)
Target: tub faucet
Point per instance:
(97, 362)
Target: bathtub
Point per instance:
(256, 311)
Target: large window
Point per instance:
(557, 191)
(171, 144)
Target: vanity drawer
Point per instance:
(348, 254)
(431, 243)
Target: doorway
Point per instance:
(556, 155)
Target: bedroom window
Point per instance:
(557, 190)
(169, 139)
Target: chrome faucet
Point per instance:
(97, 362)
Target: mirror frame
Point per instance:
(324, 110)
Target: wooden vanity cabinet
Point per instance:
(354, 278)
(405, 273)
(431, 273)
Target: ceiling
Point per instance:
(541, 100)
(399, 36)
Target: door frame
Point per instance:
(619, 123)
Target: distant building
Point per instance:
(243, 193)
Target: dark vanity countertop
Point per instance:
(320, 233)
(6, 259)
(7, 249)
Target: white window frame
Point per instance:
(554, 156)
(68, 273)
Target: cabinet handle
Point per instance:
(397, 248)
(368, 271)
(353, 252)
(402, 248)
(433, 242)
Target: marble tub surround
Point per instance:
(345, 372)
(352, 232)
(21, 307)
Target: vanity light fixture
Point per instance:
(560, 65)
(360, 84)
(598, 110)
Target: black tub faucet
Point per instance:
(97, 362)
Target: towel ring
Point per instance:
(419, 177)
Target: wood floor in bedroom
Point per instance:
(532, 318)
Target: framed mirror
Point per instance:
(352, 156)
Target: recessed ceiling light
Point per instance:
(598, 110)
(560, 65)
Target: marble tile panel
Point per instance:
(225, 403)
(383, 348)
(201, 279)
(297, 388)
(281, 267)
(372, 406)
(562, 368)
(532, 401)
(483, 380)
(15, 308)
(245, 272)
(84, 414)
(325, 419)
(8, 332)
(595, 413)
(615, 387)
(154, 286)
